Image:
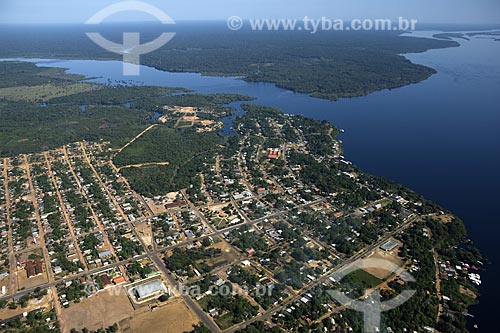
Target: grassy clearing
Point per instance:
(362, 279)
(43, 92)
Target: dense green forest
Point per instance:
(27, 127)
(328, 65)
(185, 151)
(163, 144)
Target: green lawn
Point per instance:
(361, 279)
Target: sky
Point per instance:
(426, 11)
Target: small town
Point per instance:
(257, 238)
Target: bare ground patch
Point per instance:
(467, 292)
(175, 317)
(102, 310)
(145, 232)
(391, 256)
(228, 253)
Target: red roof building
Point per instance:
(118, 280)
(274, 153)
(34, 268)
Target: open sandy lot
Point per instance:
(102, 310)
(172, 318)
(145, 232)
(157, 209)
(391, 256)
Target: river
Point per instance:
(440, 137)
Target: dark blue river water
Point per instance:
(440, 137)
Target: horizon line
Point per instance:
(221, 20)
